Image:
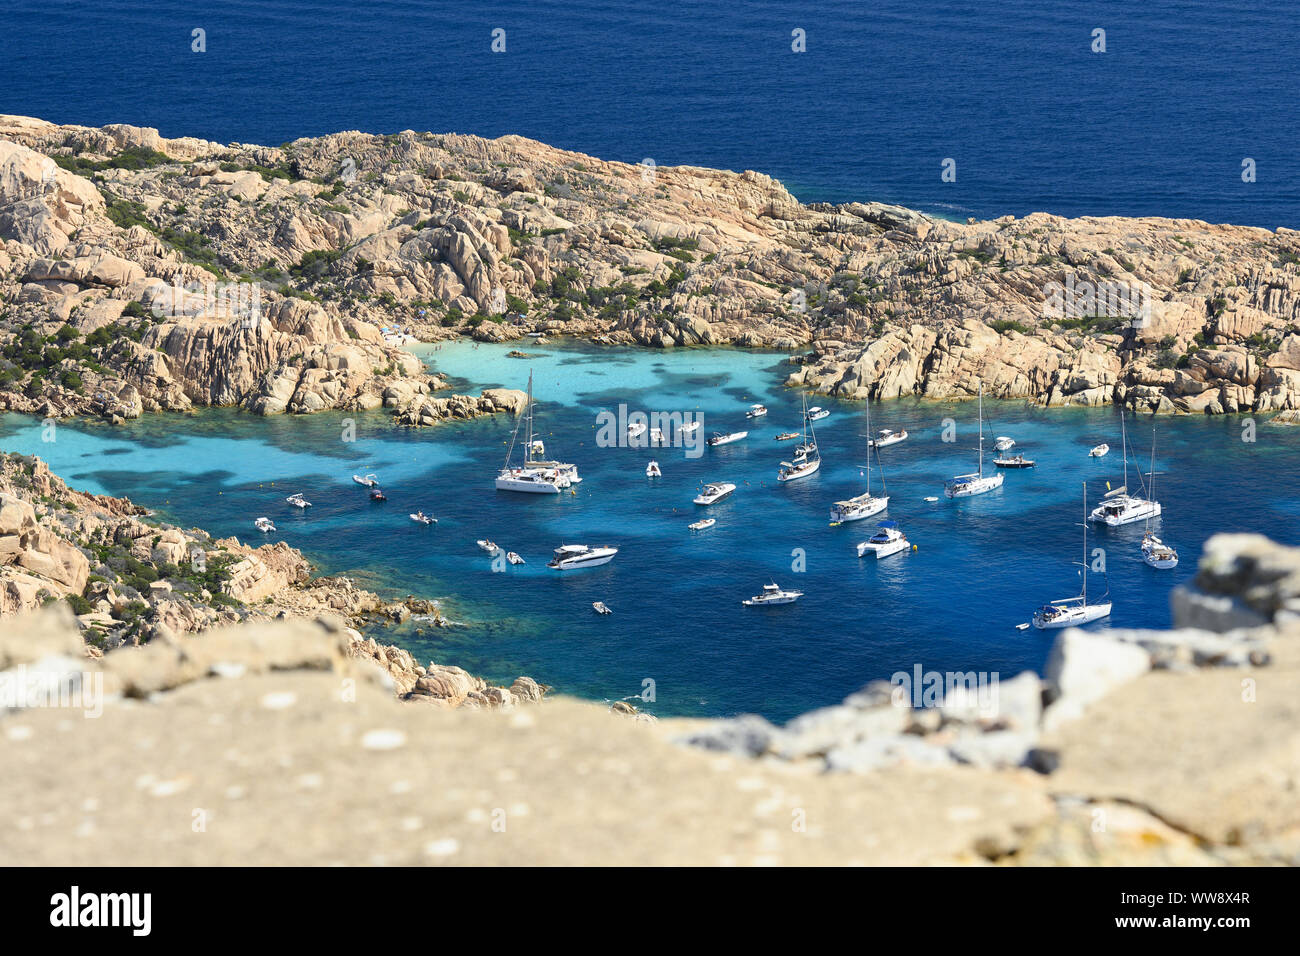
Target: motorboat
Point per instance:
(756, 411)
(688, 427)
(1158, 554)
(976, 483)
(714, 492)
(635, 431)
(488, 545)
(1117, 506)
(816, 414)
(785, 436)
(298, 501)
(1003, 443)
(888, 437)
(264, 525)
(657, 437)
(534, 475)
(1071, 612)
(772, 594)
(421, 518)
(717, 438)
(866, 504)
(368, 480)
(806, 459)
(1099, 451)
(886, 541)
(514, 558)
(572, 557)
(1014, 461)
(377, 494)
(600, 607)
(702, 524)
(652, 470)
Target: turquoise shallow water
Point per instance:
(981, 567)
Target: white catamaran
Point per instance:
(1070, 612)
(534, 476)
(1117, 506)
(977, 483)
(864, 505)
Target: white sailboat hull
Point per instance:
(1121, 512)
(1073, 616)
(528, 485)
(855, 509)
(974, 486)
(800, 471)
(882, 550)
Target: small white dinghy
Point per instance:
(264, 525)
(888, 437)
(421, 518)
(657, 437)
(756, 411)
(298, 501)
(491, 547)
(652, 470)
(635, 431)
(1004, 443)
(817, 413)
(368, 480)
(600, 607)
(1099, 450)
(702, 525)
(514, 558)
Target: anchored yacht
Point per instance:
(772, 594)
(866, 504)
(756, 411)
(1154, 551)
(888, 437)
(264, 525)
(1117, 506)
(713, 492)
(806, 460)
(571, 557)
(717, 438)
(964, 486)
(534, 476)
(298, 501)
(816, 413)
(886, 541)
(1070, 612)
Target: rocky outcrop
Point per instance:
(424, 410)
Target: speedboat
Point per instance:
(571, 557)
(1003, 443)
(1117, 506)
(866, 504)
(977, 483)
(713, 492)
(534, 476)
(652, 470)
(514, 558)
(657, 436)
(772, 594)
(421, 518)
(264, 525)
(886, 541)
(1013, 461)
(1099, 450)
(1070, 612)
(720, 439)
(888, 437)
(702, 524)
(1158, 554)
(368, 480)
(636, 430)
(786, 436)
(756, 411)
(816, 413)
(688, 427)
(298, 501)
(377, 494)
(488, 545)
(600, 607)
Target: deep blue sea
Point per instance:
(981, 567)
(1159, 124)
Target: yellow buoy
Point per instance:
(913, 547)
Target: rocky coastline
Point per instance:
(113, 240)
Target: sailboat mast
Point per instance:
(1123, 430)
(981, 417)
(869, 447)
(1085, 544)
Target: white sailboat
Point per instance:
(1074, 611)
(866, 504)
(533, 476)
(806, 459)
(977, 483)
(1117, 506)
(1154, 551)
